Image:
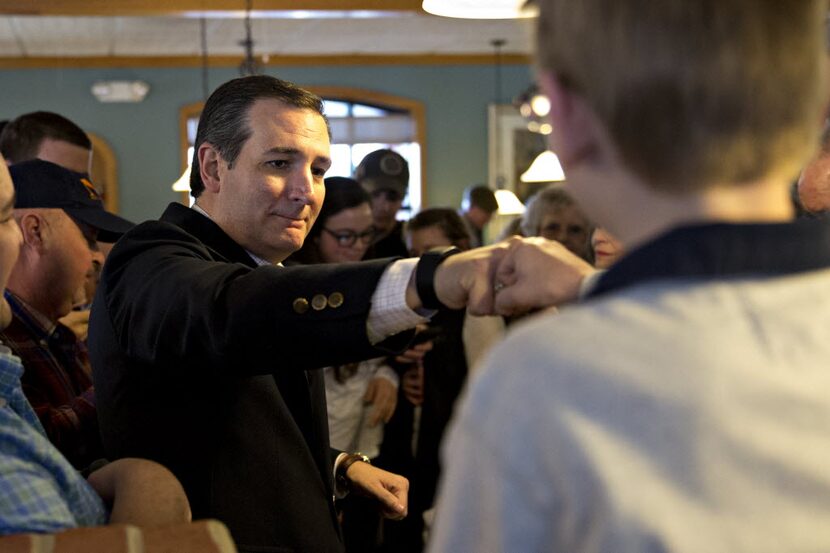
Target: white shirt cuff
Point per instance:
(389, 313)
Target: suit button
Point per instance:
(300, 305)
(335, 300)
(318, 302)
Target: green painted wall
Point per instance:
(145, 136)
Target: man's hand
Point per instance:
(415, 354)
(536, 273)
(78, 323)
(412, 384)
(527, 273)
(383, 395)
(141, 492)
(391, 490)
(467, 279)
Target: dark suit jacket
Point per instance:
(199, 362)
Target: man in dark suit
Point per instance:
(201, 347)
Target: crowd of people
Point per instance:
(639, 368)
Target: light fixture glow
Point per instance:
(540, 105)
(480, 9)
(545, 168)
(120, 91)
(509, 203)
(182, 184)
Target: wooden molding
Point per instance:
(164, 7)
(105, 171)
(186, 112)
(273, 61)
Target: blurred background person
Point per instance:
(360, 397)
(430, 388)
(477, 208)
(605, 247)
(384, 174)
(813, 186)
(553, 214)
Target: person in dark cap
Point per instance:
(477, 208)
(385, 176)
(41, 491)
(52, 137)
(60, 216)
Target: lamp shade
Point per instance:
(182, 184)
(480, 9)
(545, 168)
(509, 203)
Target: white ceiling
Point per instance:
(402, 32)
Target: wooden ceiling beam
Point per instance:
(171, 7)
(273, 61)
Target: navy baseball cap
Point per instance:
(41, 184)
(383, 170)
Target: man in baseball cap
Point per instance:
(41, 184)
(385, 176)
(61, 217)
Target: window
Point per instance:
(358, 129)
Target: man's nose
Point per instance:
(301, 185)
(97, 255)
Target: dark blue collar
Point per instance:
(720, 251)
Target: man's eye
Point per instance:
(318, 171)
(278, 163)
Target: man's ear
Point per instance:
(33, 229)
(209, 162)
(576, 136)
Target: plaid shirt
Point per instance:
(39, 489)
(56, 382)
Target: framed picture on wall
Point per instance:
(511, 149)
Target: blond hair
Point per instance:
(695, 93)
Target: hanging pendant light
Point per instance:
(249, 65)
(182, 184)
(545, 168)
(480, 9)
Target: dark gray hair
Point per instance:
(224, 119)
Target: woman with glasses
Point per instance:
(361, 397)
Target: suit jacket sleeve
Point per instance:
(170, 297)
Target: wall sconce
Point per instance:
(120, 91)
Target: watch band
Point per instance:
(343, 467)
(425, 276)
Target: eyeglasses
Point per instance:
(347, 238)
(534, 107)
